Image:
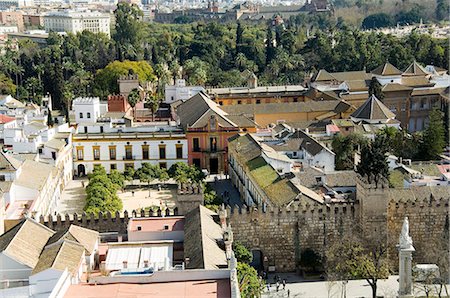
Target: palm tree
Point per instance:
(133, 98)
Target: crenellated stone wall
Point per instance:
(282, 234)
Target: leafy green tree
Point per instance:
(183, 173)
(241, 253)
(105, 82)
(117, 178)
(345, 148)
(249, 283)
(377, 20)
(129, 31)
(101, 193)
(412, 16)
(373, 164)
(6, 85)
(434, 136)
(376, 89)
(196, 71)
(129, 173)
(359, 257)
(50, 121)
(148, 173)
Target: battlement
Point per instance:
(86, 100)
(103, 222)
(129, 77)
(421, 203)
(295, 211)
(189, 189)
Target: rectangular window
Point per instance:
(112, 152)
(128, 152)
(96, 151)
(196, 144)
(145, 152)
(85, 129)
(2, 178)
(129, 165)
(101, 129)
(162, 152)
(163, 165)
(54, 155)
(88, 115)
(81, 115)
(179, 151)
(113, 166)
(80, 153)
(213, 144)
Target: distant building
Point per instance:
(12, 18)
(74, 22)
(180, 91)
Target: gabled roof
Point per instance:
(56, 144)
(8, 162)
(415, 69)
(386, 69)
(25, 241)
(87, 238)
(61, 255)
(34, 174)
(202, 236)
(195, 111)
(373, 109)
(323, 75)
(297, 141)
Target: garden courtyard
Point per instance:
(135, 196)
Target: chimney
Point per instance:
(125, 264)
(252, 81)
(145, 263)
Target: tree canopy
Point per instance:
(434, 136)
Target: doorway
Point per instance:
(214, 165)
(257, 261)
(81, 170)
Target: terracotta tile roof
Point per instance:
(201, 237)
(196, 112)
(61, 255)
(25, 241)
(373, 109)
(87, 238)
(5, 119)
(386, 69)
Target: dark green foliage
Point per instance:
(442, 10)
(434, 136)
(412, 16)
(310, 260)
(345, 147)
(50, 121)
(378, 20)
(184, 173)
(117, 178)
(101, 193)
(241, 253)
(129, 31)
(373, 164)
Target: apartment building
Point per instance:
(112, 140)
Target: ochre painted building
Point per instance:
(207, 130)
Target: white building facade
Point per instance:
(180, 91)
(74, 22)
(115, 143)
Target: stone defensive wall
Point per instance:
(282, 234)
(103, 222)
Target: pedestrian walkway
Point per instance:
(297, 287)
(220, 185)
(73, 198)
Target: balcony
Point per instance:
(129, 157)
(196, 149)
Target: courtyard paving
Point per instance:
(73, 197)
